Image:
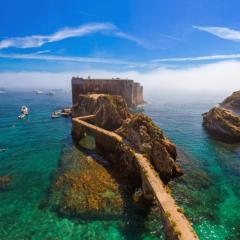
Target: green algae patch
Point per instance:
(83, 186)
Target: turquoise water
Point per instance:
(209, 192)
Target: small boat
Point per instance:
(66, 112)
(52, 93)
(56, 115)
(22, 116)
(24, 110)
(39, 92)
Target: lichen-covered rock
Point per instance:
(4, 182)
(232, 102)
(147, 138)
(84, 187)
(110, 110)
(223, 124)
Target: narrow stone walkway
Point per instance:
(177, 226)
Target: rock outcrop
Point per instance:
(223, 124)
(4, 182)
(147, 138)
(110, 110)
(223, 121)
(137, 129)
(232, 102)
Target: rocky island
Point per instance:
(223, 121)
(140, 155)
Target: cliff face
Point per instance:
(232, 102)
(223, 124)
(147, 138)
(137, 129)
(110, 110)
(223, 121)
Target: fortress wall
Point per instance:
(129, 90)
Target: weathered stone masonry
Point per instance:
(131, 91)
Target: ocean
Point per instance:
(209, 191)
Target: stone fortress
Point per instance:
(131, 91)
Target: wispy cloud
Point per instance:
(200, 58)
(147, 65)
(222, 32)
(83, 30)
(42, 56)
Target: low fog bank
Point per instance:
(222, 78)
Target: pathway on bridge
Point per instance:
(174, 220)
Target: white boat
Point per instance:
(22, 116)
(39, 92)
(66, 112)
(56, 115)
(24, 110)
(52, 93)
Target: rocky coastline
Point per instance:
(86, 185)
(137, 129)
(223, 121)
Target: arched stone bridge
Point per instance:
(176, 225)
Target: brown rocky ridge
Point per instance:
(223, 121)
(147, 138)
(110, 110)
(137, 129)
(232, 102)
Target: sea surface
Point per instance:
(209, 191)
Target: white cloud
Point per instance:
(152, 64)
(223, 76)
(47, 57)
(222, 32)
(201, 58)
(86, 29)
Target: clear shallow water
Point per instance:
(209, 190)
(34, 147)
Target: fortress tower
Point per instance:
(131, 91)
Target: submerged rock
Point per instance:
(147, 138)
(4, 182)
(223, 124)
(110, 110)
(85, 187)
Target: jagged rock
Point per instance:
(84, 187)
(147, 138)
(223, 124)
(4, 182)
(110, 110)
(232, 102)
(138, 129)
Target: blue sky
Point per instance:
(127, 35)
